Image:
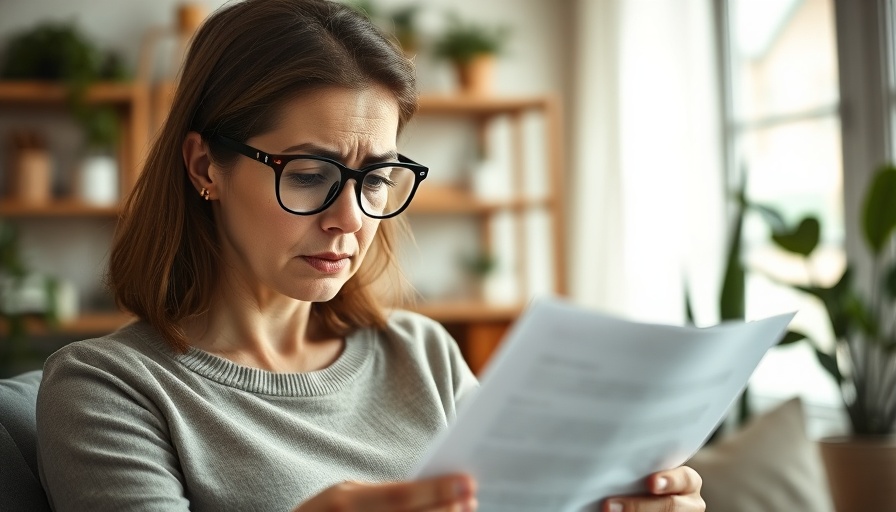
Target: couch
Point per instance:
(20, 489)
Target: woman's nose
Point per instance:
(344, 214)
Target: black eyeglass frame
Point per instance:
(279, 162)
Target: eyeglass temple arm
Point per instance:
(243, 149)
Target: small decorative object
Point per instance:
(31, 179)
(489, 280)
(471, 48)
(99, 180)
(861, 466)
(485, 179)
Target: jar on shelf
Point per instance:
(31, 177)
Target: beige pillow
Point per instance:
(768, 466)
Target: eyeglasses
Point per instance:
(308, 184)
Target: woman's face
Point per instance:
(307, 258)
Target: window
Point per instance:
(782, 129)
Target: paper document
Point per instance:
(577, 406)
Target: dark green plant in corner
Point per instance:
(862, 318)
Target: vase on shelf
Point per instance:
(98, 184)
(31, 179)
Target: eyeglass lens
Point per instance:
(306, 185)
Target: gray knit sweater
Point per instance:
(124, 423)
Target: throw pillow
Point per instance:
(769, 465)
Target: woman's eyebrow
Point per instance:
(314, 149)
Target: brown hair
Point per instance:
(245, 61)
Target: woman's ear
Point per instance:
(198, 164)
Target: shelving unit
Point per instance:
(477, 325)
(131, 101)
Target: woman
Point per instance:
(262, 374)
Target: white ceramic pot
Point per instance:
(99, 180)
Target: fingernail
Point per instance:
(660, 484)
(615, 506)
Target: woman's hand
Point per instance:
(454, 493)
(675, 490)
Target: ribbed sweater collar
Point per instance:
(355, 355)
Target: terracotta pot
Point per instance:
(32, 176)
(476, 75)
(861, 472)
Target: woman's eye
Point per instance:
(375, 181)
(307, 179)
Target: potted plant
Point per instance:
(22, 294)
(862, 465)
(471, 48)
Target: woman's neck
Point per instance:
(263, 330)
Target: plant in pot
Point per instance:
(99, 167)
(22, 295)
(861, 466)
(471, 48)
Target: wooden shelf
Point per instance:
(38, 92)
(467, 311)
(460, 105)
(442, 199)
(66, 208)
(88, 324)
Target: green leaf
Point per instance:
(890, 281)
(792, 337)
(836, 302)
(732, 302)
(829, 363)
(802, 240)
(879, 214)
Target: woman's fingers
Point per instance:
(680, 480)
(674, 490)
(453, 493)
(677, 503)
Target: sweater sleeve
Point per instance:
(102, 444)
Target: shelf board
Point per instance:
(36, 92)
(467, 311)
(87, 324)
(445, 199)
(101, 323)
(465, 105)
(60, 208)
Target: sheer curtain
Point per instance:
(648, 204)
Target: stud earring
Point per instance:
(204, 193)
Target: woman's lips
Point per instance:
(327, 263)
